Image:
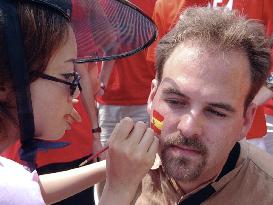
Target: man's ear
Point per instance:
(248, 119)
(154, 86)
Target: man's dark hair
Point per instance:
(271, 41)
(221, 30)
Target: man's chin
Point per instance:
(182, 169)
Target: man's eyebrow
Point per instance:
(170, 91)
(174, 91)
(223, 106)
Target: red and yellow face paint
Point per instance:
(157, 122)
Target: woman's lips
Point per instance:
(69, 120)
(75, 115)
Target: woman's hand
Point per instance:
(132, 151)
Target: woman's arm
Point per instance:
(61, 185)
(132, 150)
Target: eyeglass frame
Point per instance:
(73, 85)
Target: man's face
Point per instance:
(201, 97)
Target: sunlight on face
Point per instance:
(52, 103)
(202, 97)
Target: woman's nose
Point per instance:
(76, 93)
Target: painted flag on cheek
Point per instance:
(157, 122)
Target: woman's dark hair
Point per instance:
(43, 32)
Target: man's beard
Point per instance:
(183, 168)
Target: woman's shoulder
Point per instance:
(12, 166)
(17, 184)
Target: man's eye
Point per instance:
(175, 102)
(217, 113)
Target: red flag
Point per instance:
(157, 122)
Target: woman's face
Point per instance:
(51, 101)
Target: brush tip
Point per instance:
(83, 163)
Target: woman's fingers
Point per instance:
(76, 116)
(132, 150)
(122, 130)
(137, 133)
(153, 149)
(147, 139)
(134, 140)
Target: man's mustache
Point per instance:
(191, 142)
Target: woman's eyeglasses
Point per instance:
(73, 85)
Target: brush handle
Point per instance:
(94, 156)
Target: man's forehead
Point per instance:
(188, 50)
(203, 60)
(186, 56)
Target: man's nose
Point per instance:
(191, 124)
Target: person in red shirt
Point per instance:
(124, 88)
(167, 12)
(165, 15)
(262, 10)
(126, 92)
(264, 97)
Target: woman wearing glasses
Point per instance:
(38, 86)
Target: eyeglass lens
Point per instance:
(72, 85)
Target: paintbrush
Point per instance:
(89, 159)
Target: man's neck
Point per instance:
(188, 187)
(205, 178)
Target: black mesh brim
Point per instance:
(110, 29)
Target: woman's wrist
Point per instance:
(96, 130)
(117, 195)
(96, 136)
